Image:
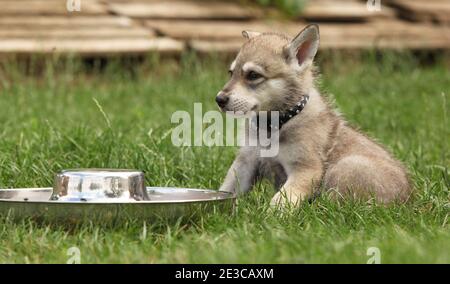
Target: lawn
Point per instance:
(70, 115)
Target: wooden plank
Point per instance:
(232, 47)
(91, 47)
(386, 34)
(184, 10)
(366, 33)
(213, 30)
(378, 35)
(208, 46)
(49, 7)
(226, 30)
(89, 22)
(426, 11)
(336, 11)
(62, 33)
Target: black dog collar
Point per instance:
(286, 115)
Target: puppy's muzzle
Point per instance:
(222, 99)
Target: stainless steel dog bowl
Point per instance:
(105, 196)
(99, 184)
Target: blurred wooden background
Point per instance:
(113, 27)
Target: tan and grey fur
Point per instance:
(317, 148)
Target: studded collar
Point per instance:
(285, 116)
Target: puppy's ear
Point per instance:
(302, 49)
(250, 34)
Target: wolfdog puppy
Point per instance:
(317, 148)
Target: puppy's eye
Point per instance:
(252, 76)
(230, 72)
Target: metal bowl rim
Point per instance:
(100, 170)
(230, 196)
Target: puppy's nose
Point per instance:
(222, 100)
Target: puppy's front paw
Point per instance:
(276, 200)
(282, 200)
(227, 188)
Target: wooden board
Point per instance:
(49, 7)
(45, 26)
(74, 32)
(184, 10)
(215, 30)
(90, 47)
(336, 11)
(208, 46)
(378, 35)
(220, 30)
(392, 34)
(64, 21)
(426, 11)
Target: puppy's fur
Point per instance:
(317, 148)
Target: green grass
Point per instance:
(51, 121)
(289, 7)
